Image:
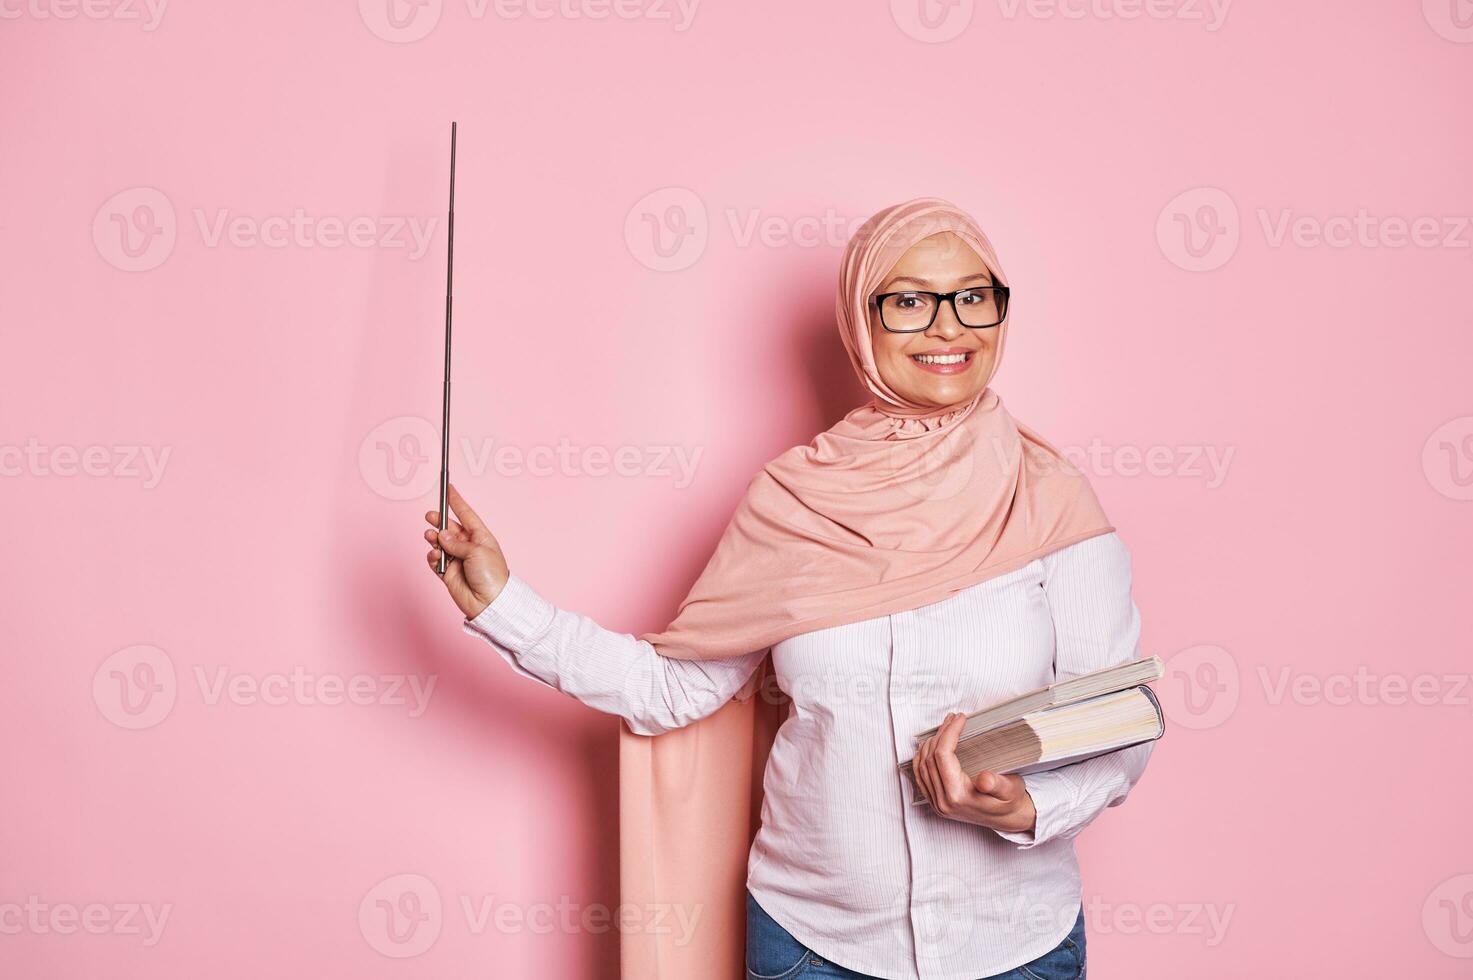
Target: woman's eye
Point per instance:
(908, 302)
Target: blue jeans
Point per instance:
(773, 954)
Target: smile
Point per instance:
(950, 361)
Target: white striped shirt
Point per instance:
(841, 860)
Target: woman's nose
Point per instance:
(946, 326)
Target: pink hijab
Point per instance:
(894, 507)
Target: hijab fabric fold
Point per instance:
(896, 506)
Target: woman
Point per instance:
(924, 557)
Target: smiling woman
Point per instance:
(934, 309)
(927, 554)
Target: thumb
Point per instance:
(456, 544)
(454, 579)
(990, 783)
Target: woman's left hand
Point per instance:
(990, 800)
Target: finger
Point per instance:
(454, 574)
(432, 535)
(947, 734)
(928, 779)
(954, 783)
(934, 789)
(463, 511)
(940, 799)
(918, 767)
(432, 517)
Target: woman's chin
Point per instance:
(943, 393)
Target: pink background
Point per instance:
(1326, 823)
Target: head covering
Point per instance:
(896, 506)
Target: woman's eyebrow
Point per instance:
(926, 283)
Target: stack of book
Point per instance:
(1073, 720)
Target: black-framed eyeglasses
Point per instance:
(913, 310)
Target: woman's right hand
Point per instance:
(475, 569)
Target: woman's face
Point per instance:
(908, 362)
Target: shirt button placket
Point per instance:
(900, 693)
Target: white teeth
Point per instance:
(940, 358)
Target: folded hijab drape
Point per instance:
(896, 506)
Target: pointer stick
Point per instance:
(449, 288)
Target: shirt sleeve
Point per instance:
(613, 672)
(1096, 625)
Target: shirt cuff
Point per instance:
(517, 618)
(1053, 798)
